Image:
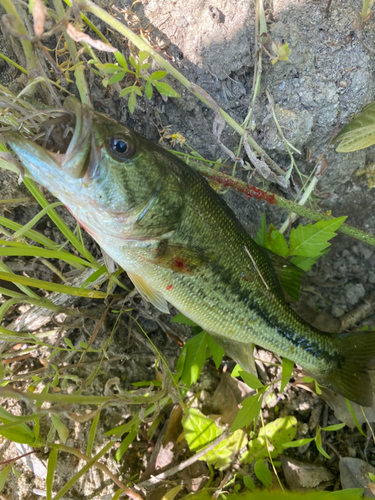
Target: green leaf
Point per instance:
(286, 372)
(311, 240)
(335, 427)
(359, 133)
(126, 90)
(137, 90)
(304, 263)
(249, 483)
(347, 494)
(236, 371)
(275, 434)
(117, 77)
(182, 320)
(145, 66)
(318, 442)
(165, 89)
(92, 433)
(60, 427)
(221, 456)
(158, 75)
(262, 473)
(121, 60)
(125, 443)
(297, 443)
(276, 242)
(354, 416)
(199, 429)
(143, 55)
(52, 461)
(132, 102)
(194, 356)
(251, 380)
(148, 90)
(132, 61)
(250, 408)
(20, 433)
(108, 68)
(4, 475)
(216, 351)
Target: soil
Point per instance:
(328, 78)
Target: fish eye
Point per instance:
(121, 147)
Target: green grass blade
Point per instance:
(91, 439)
(52, 461)
(59, 222)
(52, 287)
(44, 253)
(35, 219)
(5, 270)
(41, 302)
(31, 234)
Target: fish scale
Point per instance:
(180, 243)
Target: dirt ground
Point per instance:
(330, 76)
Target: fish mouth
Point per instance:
(63, 143)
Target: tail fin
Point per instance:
(351, 378)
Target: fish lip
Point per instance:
(77, 158)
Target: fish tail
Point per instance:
(350, 377)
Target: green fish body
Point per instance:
(180, 243)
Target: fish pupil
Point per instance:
(120, 146)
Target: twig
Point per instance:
(256, 267)
(185, 464)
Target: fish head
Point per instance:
(116, 183)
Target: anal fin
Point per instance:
(149, 293)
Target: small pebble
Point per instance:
(342, 84)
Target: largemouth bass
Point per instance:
(180, 243)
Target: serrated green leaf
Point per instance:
(132, 102)
(275, 433)
(286, 372)
(311, 240)
(121, 60)
(165, 89)
(276, 242)
(251, 380)
(262, 473)
(250, 408)
(199, 429)
(117, 77)
(149, 90)
(305, 263)
(158, 75)
(216, 351)
(359, 133)
(194, 356)
(61, 428)
(125, 443)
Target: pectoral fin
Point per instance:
(149, 293)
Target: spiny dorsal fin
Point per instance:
(149, 293)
